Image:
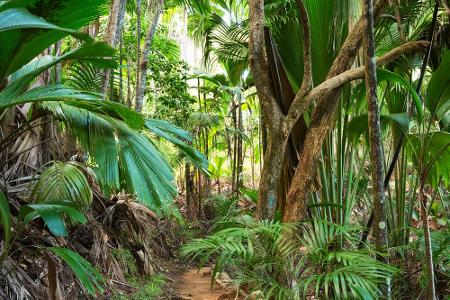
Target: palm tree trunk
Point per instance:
(191, 207)
(129, 102)
(235, 142)
(240, 154)
(121, 99)
(143, 62)
(138, 107)
(113, 33)
(376, 150)
(431, 288)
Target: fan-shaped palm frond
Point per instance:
(333, 272)
(88, 275)
(122, 156)
(84, 76)
(230, 42)
(63, 181)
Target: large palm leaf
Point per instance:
(25, 34)
(113, 135)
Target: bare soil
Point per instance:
(196, 285)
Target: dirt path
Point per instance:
(197, 285)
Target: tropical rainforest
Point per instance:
(224, 149)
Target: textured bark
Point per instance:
(279, 126)
(271, 113)
(272, 116)
(155, 12)
(376, 150)
(113, 33)
(323, 117)
(398, 148)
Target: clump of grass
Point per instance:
(126, 260)
(151, 287)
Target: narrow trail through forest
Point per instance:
(196, 285)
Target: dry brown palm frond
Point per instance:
(93, 238)
(16, 282)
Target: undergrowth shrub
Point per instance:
(286, 261)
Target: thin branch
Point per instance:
(295, 109)
(350, 75)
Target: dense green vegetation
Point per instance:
(300, 146)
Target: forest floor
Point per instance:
(196, 285)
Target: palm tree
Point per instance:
(116, 141)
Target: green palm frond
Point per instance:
(64, 181)
(334, 272)
(230, 42)
(52, 212)
(20, 44)
(89, 276)
(85, 76)
(92, 52)
(123, 157)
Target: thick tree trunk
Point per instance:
(270, 175)
(143, 62)
(271, 114)
(112, 34)
(322, 121)
(326, 95)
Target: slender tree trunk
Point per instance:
(143, 62)
(235, 142)
(121, 98)
(138, 107)
(191, 207)
(129, 102)
(47, 129)
(240, 154)
(431, 288)
(376, 146)
(113, 33)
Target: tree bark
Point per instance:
(138, 50)
(112, 34)
(191, 205)
(271, 114)
(431, 288)
(240, 154)
(322, 120)
(326, 95)
(376, 146)
(143, 62)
